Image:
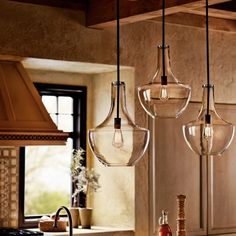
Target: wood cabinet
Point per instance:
(178, 170)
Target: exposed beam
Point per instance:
(200, 21)
(70, 4)
(223, 14)
(101, 14)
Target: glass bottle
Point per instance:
(208, 138)
(118, 146)
(164, 228)
(164, 97)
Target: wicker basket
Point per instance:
(47, 226)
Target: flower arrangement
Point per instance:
(84, 179)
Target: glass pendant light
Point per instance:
(164, 96)
(209, 134)
(118, 141)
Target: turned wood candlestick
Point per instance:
(181, 231)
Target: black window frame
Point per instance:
(79, 136)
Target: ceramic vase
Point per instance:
(74, 211)
(85, 217)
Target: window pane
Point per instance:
(47, 178)
(65, 122)
(54, 118)
(50, 102)
(65, 105)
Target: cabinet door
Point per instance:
(222, 183)
(179, 171)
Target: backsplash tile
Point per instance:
(9, 174)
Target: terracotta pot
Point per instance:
(85, 217)
(74, 211)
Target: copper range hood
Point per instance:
(23, 118)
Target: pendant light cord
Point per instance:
(208, 61)
(163, 37)
(163, 77)
(117, 119)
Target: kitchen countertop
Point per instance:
(95, 230)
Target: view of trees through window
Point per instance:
(47, 179)
(47, 168)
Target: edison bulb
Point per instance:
(164, 96)
(118, 140)
(164, 93)
(208, 131)
(207, 138)
(209, 134)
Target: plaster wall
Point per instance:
(45, 32)
(116, 195)
(114, 202)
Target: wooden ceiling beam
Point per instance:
(223, 14)
(199, 21)
(101, 14)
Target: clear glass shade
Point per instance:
(208, 138)
(164, 101)
(122, 146)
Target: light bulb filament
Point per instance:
(208, 131)
(207, 134)
(118, 141)
(164, 93)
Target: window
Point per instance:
(45, 170)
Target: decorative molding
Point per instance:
(9, 172)
(32, 137)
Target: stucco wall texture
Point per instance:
(45, 32)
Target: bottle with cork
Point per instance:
(164, 228)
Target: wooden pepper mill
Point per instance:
(181, 231)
